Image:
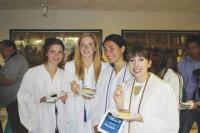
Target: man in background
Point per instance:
(10, 79)
(190, 85)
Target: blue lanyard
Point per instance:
(85, 111)
(56, 114)
(108, 87)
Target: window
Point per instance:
(29, 42)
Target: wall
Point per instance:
(108, 21)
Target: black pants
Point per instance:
(12, 110)
(1, 128)
(187, 118)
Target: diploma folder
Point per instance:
(110, 124)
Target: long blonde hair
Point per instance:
(78, 61)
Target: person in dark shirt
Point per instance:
(10, 79)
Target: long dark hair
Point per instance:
(168, 60)
(119, 40)
(48, 43)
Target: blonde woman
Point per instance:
(83, 71)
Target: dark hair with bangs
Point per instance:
(140, 51)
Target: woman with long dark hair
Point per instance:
(115, 51)
(168, 70)
(41, 95)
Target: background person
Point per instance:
(10, 79)
(186, 68)
(168, 70)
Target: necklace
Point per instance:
(108, 87)
(130, 101)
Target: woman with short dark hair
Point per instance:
(150, 101)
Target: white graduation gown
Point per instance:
(106, 88)
(158, 108)
(35, 116)
(75, 104)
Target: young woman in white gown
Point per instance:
(169, 73)
(38, 83)
(83, 71)
(115, 51)
(150, 100)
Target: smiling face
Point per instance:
(139, 66)
(113, 52)
(87, 47)
(55, 54)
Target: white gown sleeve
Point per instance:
(173, 79)
(70, 103)
(101, 88)
(27, 103)
(98, 107)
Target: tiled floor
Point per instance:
(194, 128)
(3, 117)
(194, 131)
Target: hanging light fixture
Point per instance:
(44, 5)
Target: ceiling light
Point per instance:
(44, 5)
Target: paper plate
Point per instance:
(122, 115)
(52, 97)
(126, 115)
(87, 91)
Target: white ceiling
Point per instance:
(110, 5)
